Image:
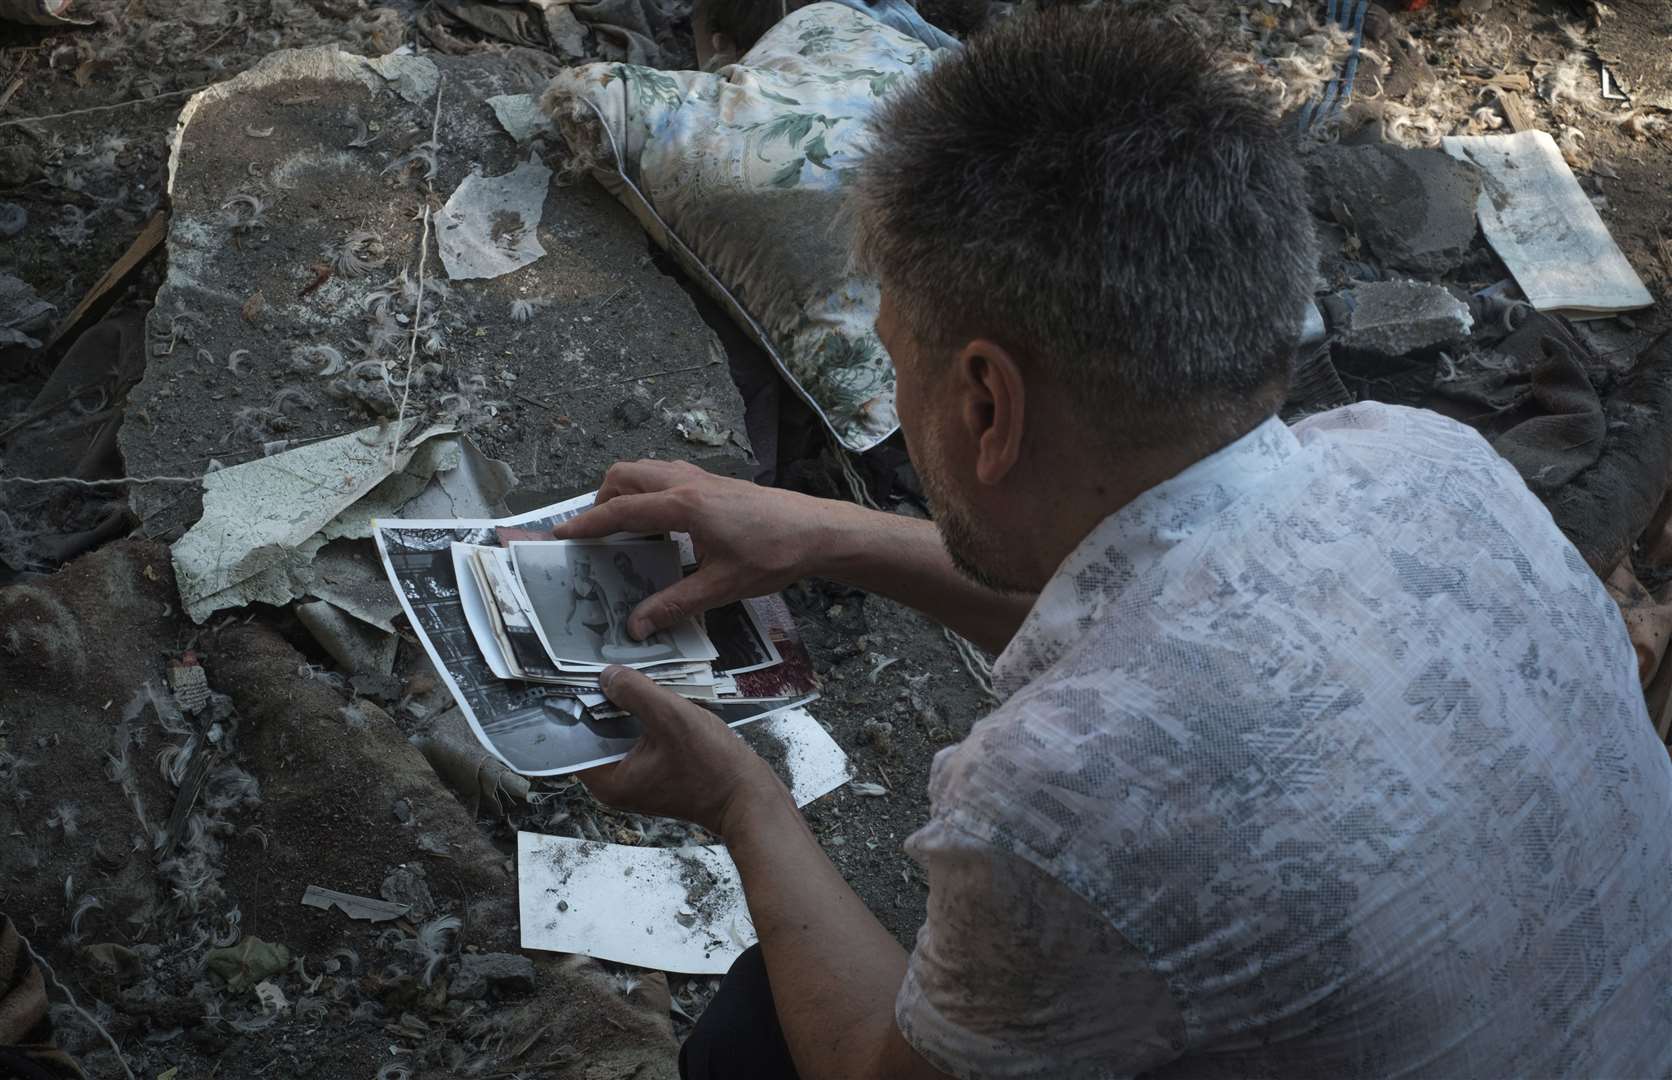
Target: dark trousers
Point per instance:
(738, 1037)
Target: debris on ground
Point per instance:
(355, 907)
(1398, 318)
(1414, 210)
(265, 520)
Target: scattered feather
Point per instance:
(66, 816)
(357, 255)
(242, 213)
(88, 903)
(430, 944)
(318, 360)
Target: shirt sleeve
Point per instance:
(1015, 975)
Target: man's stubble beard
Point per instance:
(972, 552)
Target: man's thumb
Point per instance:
(639, 695)
(684, 599)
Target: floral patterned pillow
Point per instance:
(740, 174)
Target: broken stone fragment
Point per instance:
(505, 974)
(1414, 209)
(19, 164)
(13, 220)
(1396, 318)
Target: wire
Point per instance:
(77, 482)
(101, 108)
(85, 1015)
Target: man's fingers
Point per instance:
(639, 695)
(650, 513)
(638, 477)
(684, 599)
(599, 778)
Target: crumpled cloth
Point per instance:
(1540, 409)
(902, 16)
(41, 13)
(1594, 445)
(624, 31)
(26, 1049)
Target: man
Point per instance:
(1321, 752)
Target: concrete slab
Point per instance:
(288, 312)
(1414, 209)
(1398, 318)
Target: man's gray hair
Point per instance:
(1099, 195)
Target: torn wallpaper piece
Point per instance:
(488, 227)
(520, 116)
(265, 520)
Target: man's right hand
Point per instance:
(750, 540)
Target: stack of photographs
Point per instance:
(520, 626)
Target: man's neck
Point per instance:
(1076, 492)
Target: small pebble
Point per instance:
(13, 219)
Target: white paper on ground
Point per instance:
(668, 909)
(488, 227)
(1539, 221)
(814, 763)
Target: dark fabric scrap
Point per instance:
(1595, 447)
(507, 22)
(1607, 507)
(26, 1048)
(1539, 410)
(640, 32)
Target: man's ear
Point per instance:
(994, 409)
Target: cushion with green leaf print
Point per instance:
(741, 174)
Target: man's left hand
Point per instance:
(687, 763)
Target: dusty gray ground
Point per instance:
(263, 332)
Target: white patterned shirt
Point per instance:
(1325, 758)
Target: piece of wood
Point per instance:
(11, 89)
(1515, 111)
(100, 297)
(1505, 82)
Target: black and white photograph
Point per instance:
(582, 594)
(536, 729)
(561, 731)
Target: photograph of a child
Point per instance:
(583, 593)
